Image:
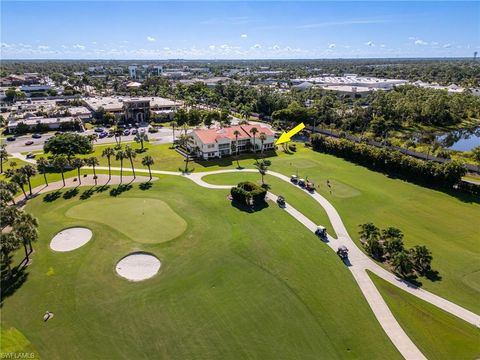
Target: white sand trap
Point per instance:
(138, 266)
(70, 239)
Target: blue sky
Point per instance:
(237, 30)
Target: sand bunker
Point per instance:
(138, 266)
(70, 239)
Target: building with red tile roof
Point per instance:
(219, 142)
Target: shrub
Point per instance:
(292, 147)
(248, 193)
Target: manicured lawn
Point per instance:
(235, 284)
(448, 225)
(438, 334)
(297, 197)
(132, 217)
(13, 341)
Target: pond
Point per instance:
(461, 140)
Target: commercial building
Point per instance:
(52, 123)
(211, 143)
(142, 72)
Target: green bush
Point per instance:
(248, 193)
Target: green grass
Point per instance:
(448, 225)
(156, 221)
(13, 341)
(235, 284)
(439, 335)
(298, 198)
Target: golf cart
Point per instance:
(342, 252)
(294, 179)
(281, 201)
(321, 231)
(301, 182)
(310, 186)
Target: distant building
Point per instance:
(211, 143)
(143, 72)
(33, 122)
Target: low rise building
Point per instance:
(51, 123)
(211, 143)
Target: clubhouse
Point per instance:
(211, 143)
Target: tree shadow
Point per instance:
(11, 284)
(433, 275)
(266, 186)
(409, 280)
(50, 197)
(102, 188)
(120, 189)
(145, 186)
(87, 194)
(70, 193)
(249, 208)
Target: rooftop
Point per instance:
(209, 136)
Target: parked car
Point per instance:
(126, 132)
(11, 138)
(30, 155)
(36, 136)
(111, 134)
(103, 135)
(134, 131)
(29, 142)
(99, 130)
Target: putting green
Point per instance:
(148, 221)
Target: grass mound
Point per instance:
(148, 221)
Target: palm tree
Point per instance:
(148, 161)
(29, 171)
(262, 168)
(42, 165)
(77, 163)
(262, 138)
(120, 155)
(368, 231)
(60, 162)
(108, 153)
(131, 154)
(20, 179)
(174, 124)
(25, 226)
(3, 156)
(11, 188)
(422, 258)
(92, 161)
(237, 134)
(9, 243)
(254, 131)
(403, 263)
(140, 137)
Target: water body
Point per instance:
(461, 140)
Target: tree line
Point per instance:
(444, 175)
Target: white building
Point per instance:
(211, 143)
(142, 72)
(52, 123)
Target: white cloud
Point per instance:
(446, 46)
(412, 38)
(212, 47)
(244, 36)
(78, 46)
(382, 45)
(420, 42)
(276, 47)
(43, 47)
(151, 38)
(370, 43)
(5, 45)
(434, 43)
(257, 46)
(332, 46)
